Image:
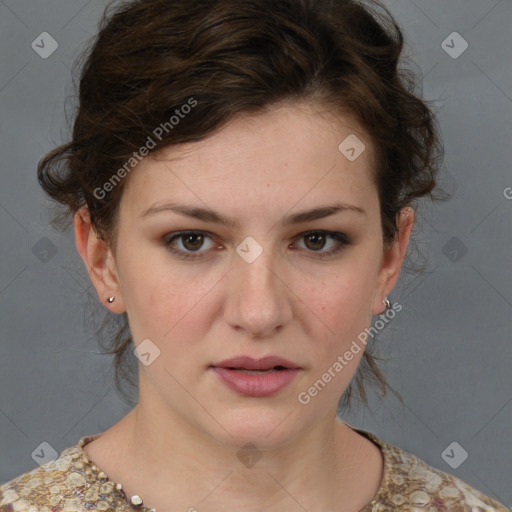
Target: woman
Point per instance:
(242, 178)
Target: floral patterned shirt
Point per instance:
(73, 483)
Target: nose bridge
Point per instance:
(258, 301)
(259, 275)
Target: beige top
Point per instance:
(72, 483)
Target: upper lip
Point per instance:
(248, 363)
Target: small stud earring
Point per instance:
(111, 299)
(387, 303)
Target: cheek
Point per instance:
(342, 311)
(339, 311)
(342, 301)
(165, 302)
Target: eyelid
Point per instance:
(176, 235)
(343, 240)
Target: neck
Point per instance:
(174, 466)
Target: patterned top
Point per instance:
(72, 483)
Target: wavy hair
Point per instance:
(234, 58)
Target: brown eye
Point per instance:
(188, 244)
(317, 241)
(192, 241)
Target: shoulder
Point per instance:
(69, 483)
(45, 487)
(409, 483)
(427, 486)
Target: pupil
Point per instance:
(192, 237)
(317, 236)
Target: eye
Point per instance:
(191, 242)
(316, 241)
(187, 244)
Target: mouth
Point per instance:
(256, 377)
(258, 372)
(264, 364)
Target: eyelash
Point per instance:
(340, 237)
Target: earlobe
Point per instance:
(98, 259)
(393, 258)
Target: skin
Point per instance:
(188, 427)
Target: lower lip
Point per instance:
(257, 385)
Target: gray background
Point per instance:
(449, 348)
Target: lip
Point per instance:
(262, 385)
(265, 384)
(248, 363)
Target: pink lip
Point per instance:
(262, 385)
(265, 363)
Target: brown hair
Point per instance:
(226, 58)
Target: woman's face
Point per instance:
(261, 287)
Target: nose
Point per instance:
(258, 300)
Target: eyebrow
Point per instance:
(207, 215)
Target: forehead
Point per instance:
(289, 154)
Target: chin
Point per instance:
(264, 429)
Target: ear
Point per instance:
(99, 260)
(392, 260)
